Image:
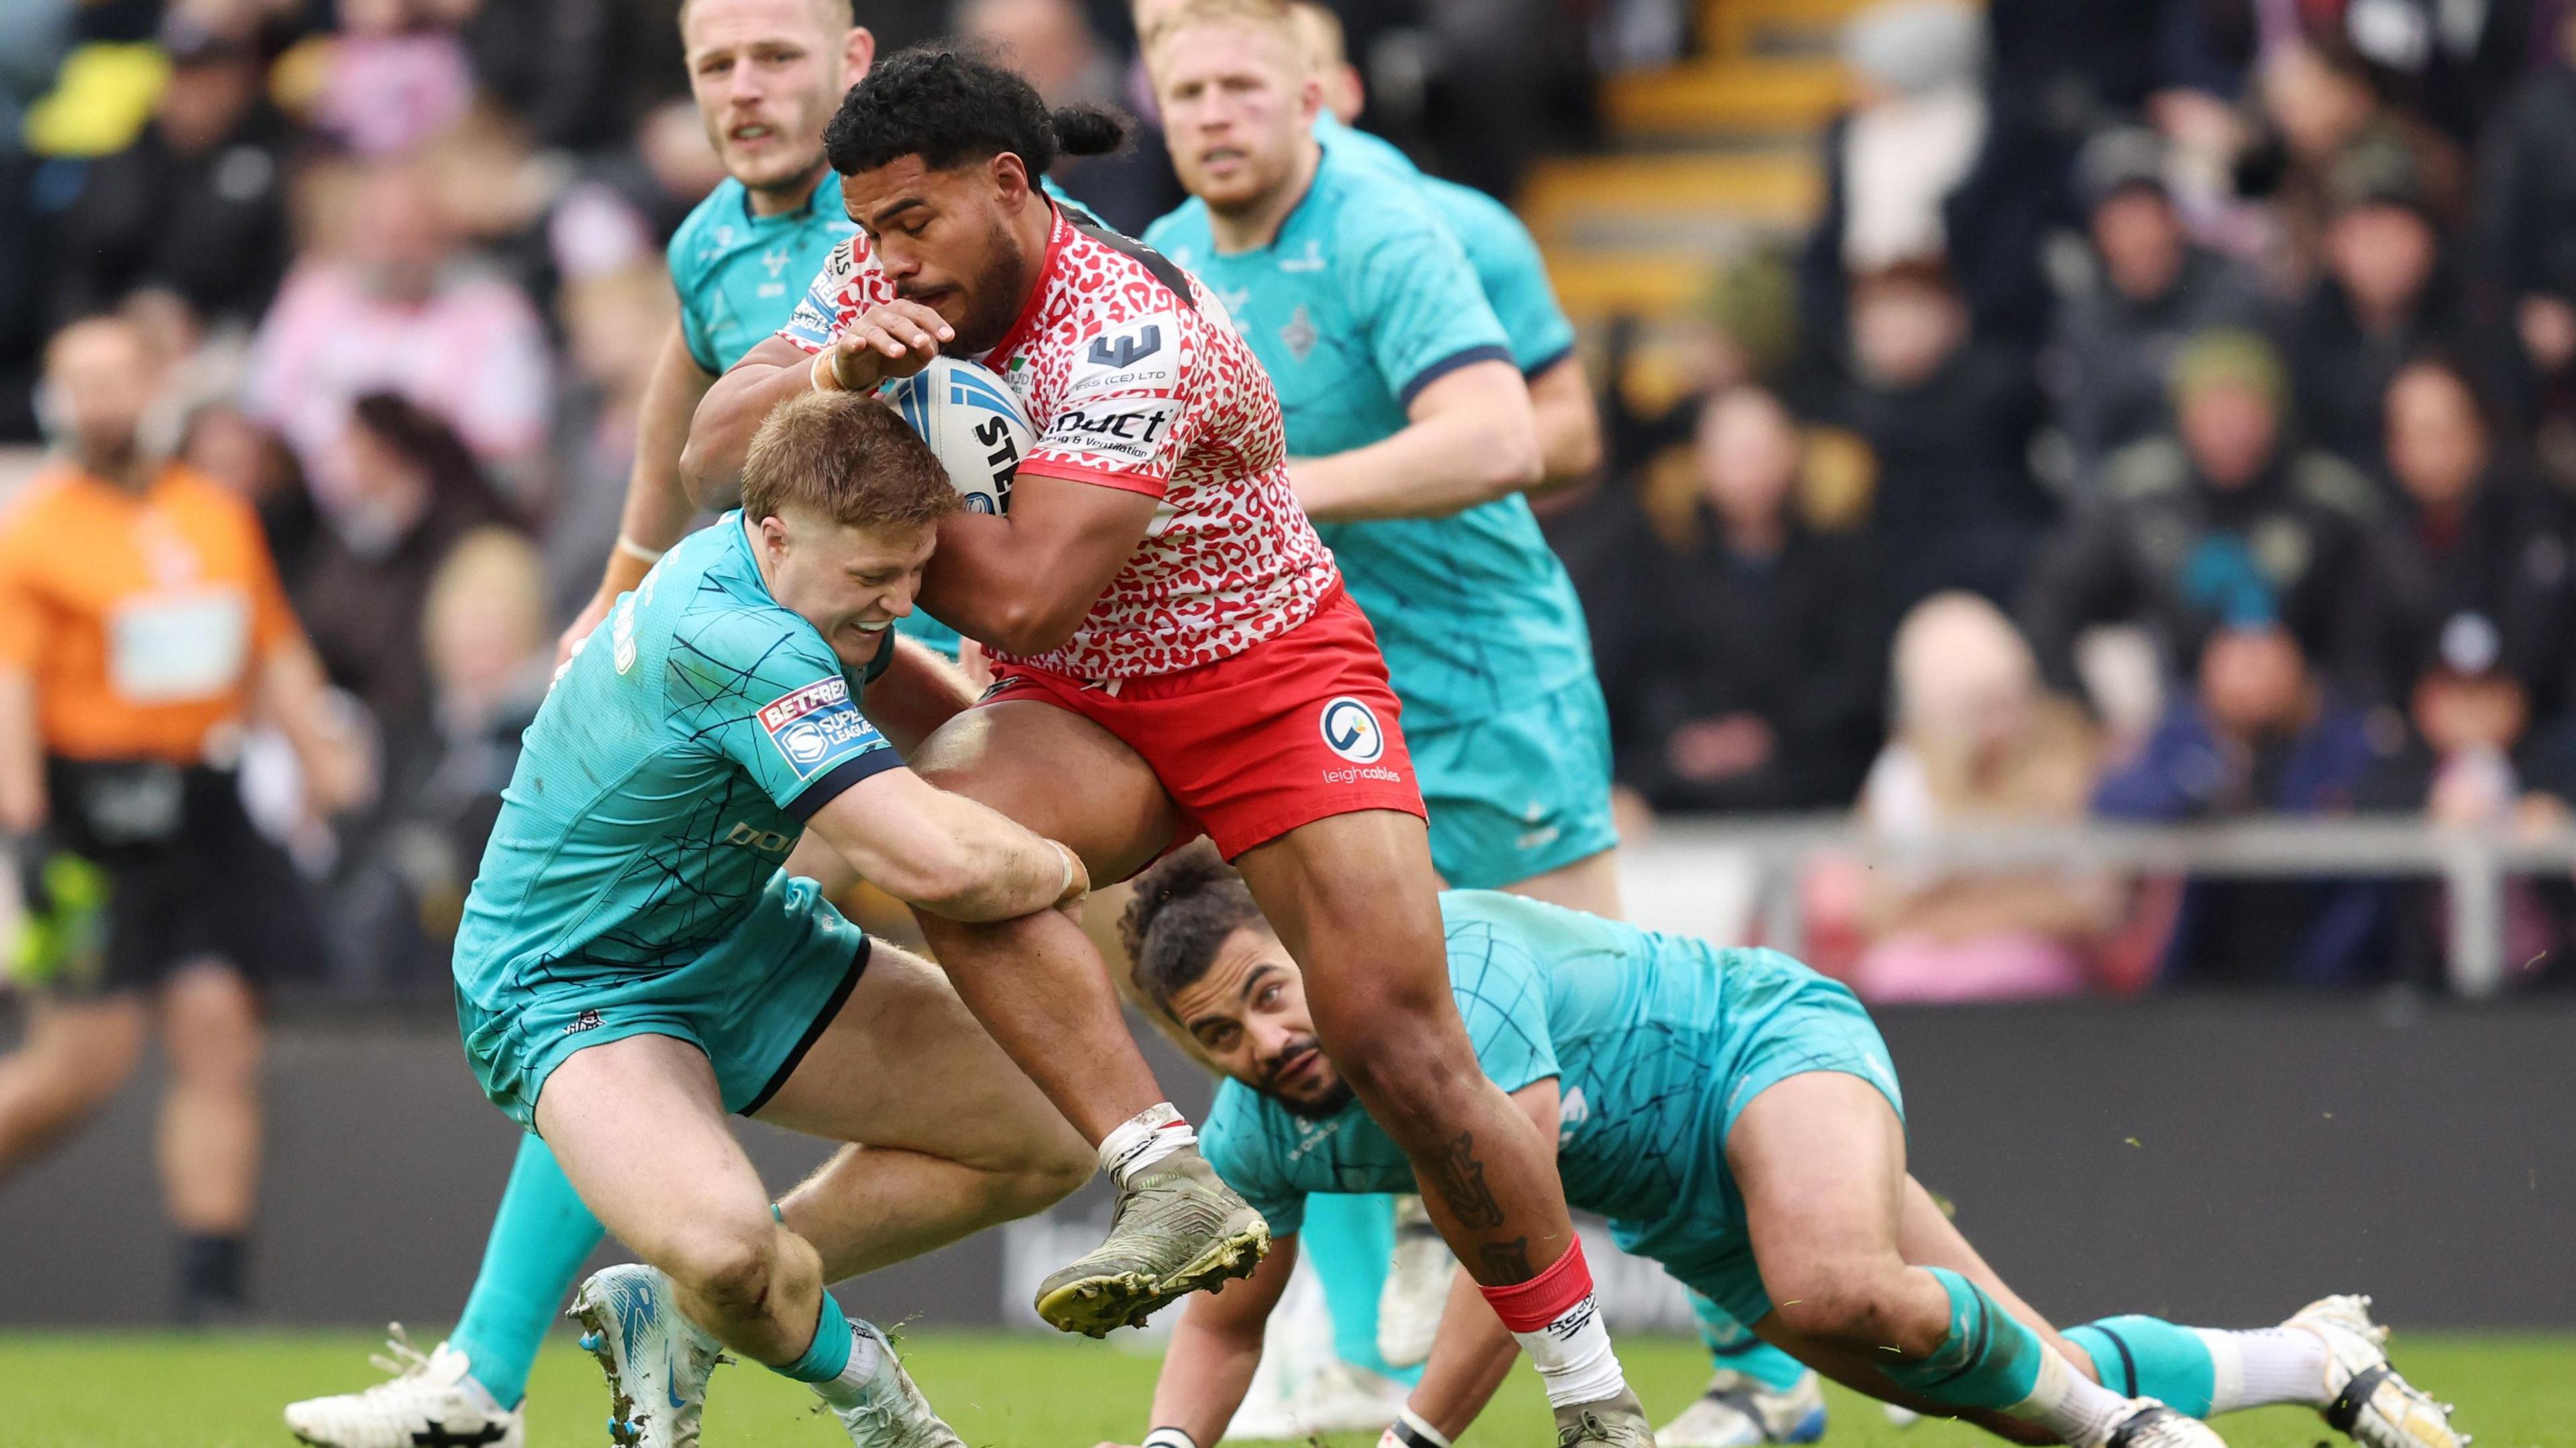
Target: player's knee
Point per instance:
(731, 1269)
(212, 1030)
(1849, 1302)
(1036, 1185)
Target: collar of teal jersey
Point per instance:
(1288, 219)
(824, 201)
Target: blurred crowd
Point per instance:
(2172, 415)
(397, 267)
(2171, 418)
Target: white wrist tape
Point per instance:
(1169, 1438)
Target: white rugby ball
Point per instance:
(973, 423)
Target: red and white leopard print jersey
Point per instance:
(1136, 379)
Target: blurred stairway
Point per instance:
(1708, 158)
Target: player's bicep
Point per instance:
(1426, 315)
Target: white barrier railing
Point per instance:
(1716, 878)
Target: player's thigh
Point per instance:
(80, 1049)
(639, 1127)
(1354, 898)
(1819, 1159)
(1589, 884)
(1061, 775)
(210, 1024)
(904, 1064)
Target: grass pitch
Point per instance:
(160, 1391)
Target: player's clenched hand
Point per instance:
(896, 339)
(1077, 880)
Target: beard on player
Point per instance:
(1302, 1079)
(941, 154)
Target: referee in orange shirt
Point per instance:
(141, 625)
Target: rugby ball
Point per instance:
(973, 423)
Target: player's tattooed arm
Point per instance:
(1208, 1366)
(1472, 438)
(946, 853)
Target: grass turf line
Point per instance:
(65, 1390)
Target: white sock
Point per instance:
(1574, 1357)
(1144, 1139)
(2069, 1404)
(2266, 1365)
(850, 1388)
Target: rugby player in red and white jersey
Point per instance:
(1174, 656)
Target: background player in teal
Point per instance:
(1404, 397)
(635, 962)
(1736, 1117)
(766, 75)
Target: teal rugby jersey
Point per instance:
(1504, 254)
(740, 277)
(664, 781)
(1648, 1037)
(1362, 300)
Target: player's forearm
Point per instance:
(1569, 425)
(1469, 1361)
(294, 695)
(721, 429)
(1481, 447)
(1206, 1371)
(658, 508)
(946, 853)
(22, 753)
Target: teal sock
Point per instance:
(1989, 1360)
(2147, 1357)
(1349, 1240)
(1733, 1347)
(540, 1238)
(828, 1355)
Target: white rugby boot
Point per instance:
(2150, 1424)
(2371, 1404)
(428, 1400)
(1417, 1287)
(893, 1413)
(1739, 1411)
(657, 1361)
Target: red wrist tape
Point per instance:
(1532, 1305)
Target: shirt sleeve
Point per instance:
(1513, 275)
(1127, 416)
(758, 687)
(841, 291)
(1503, 998)
(1427, 316)
(693, 319)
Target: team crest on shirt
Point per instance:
(809, 725)
(1300, 336)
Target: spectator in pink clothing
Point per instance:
(1978, 743)
(399, 307)
(394, 76)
